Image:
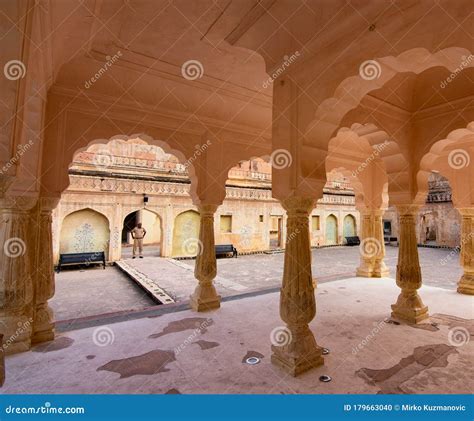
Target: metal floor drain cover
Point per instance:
(325, 379)
(325, 351)
(252, 360)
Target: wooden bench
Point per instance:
(353, 241)
(86, 258)
(224, 249)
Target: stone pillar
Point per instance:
(372, 248)
(16, 286)
(205, 296)
(299, 352)
(466, 284)
(2, 362)
(409, 306)
(43, 273)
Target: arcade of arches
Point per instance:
(394, 120)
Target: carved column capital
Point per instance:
(408, 210)
(298, 205)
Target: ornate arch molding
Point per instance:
(373, 159)
(92, 208)
(149, 141)
(453, 157)
(351, 90)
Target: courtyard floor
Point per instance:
(188, 352)
(94, 291)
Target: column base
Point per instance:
(381, 271)
(300, 355)
(205, 298)
(43, 326)
(364, 272)
(410, 308)
(466, 285)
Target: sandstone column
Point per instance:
(16, 287)
(380, 268)
(409, 306)
(43, 273)
(372, 248)
(299, 351)
(205, 296)
(466, 284)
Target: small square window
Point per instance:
(260, 218)
(315, 223)
(226, 223)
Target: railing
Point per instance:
(106, 160)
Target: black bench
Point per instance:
(353, 241)
(224, 249)
(81, 259)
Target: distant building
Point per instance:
(114, 186)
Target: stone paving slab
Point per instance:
(83, 293)
(189, 353)
(258, 271)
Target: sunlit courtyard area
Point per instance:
(237, 209)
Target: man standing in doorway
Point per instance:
(138, 233)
